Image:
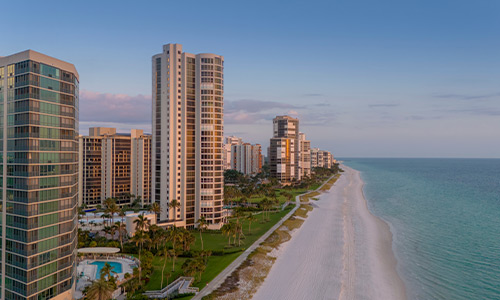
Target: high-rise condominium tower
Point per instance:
(187, 135)
(39, 159)
(284, 151)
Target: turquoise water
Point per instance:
(117, 267)
(445, 218)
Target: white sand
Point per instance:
(341, 251)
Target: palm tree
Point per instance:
(227, 229)
(133, 282)
(174, 204)
(174, 235)
(238, 231)
(107, 270)
(157, 236)
(108, 202)
(187, 239)
(112, 208)
(250, 218)
(193, 266)
(100, 290)
(156, 208)
(122, 213)
(104, 217)
(265, 204)
(127, 277)
(244, 200)
(107, 230)
(140, 238)
(142, 223)
(167, 253)
(202, 225)
(121, 227)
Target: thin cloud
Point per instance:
(322, 104)
(422, 118)
(312, 95)
(104, 107)
(466, 97)
(255, 106)
(383, 105)
(473, 111)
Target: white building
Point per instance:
(246, 158)
(321, 158)
(188, 135)
(305, 156)
(140, 162)
(226, 152)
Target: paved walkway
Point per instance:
(219, 279)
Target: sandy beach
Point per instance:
(341, 251)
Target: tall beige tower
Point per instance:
(187, 147)
(39, 159)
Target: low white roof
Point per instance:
(101, 250)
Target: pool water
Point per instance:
(116, 267)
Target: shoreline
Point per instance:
(342, 251)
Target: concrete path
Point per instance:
(219, 279)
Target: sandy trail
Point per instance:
(341, 251)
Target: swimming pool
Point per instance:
(116, 267)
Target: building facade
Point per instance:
(246, 158)
(321, 158)
(114, 165)
(284, 151)
(188, 131)
(226, 152)
(39, 159)
(305, 156)
(140, 185)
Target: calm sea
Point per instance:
(445, 218)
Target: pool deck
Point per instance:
(89, 272)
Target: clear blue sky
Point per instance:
(366, 78)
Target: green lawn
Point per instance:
(282, 199)
(214, 241)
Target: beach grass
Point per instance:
(328, 185)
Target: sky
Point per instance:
(387, 78)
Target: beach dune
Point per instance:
(341, 251)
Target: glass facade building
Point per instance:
(39, 176)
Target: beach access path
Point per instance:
(341, 251)
(219, 279)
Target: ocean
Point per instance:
(444, 215)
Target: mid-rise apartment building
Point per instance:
(246, 158)
(39, 150)
(188, 131)
(305, 156)
(114, 165)
(321, 158)
(226, 152)
(284, 151)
